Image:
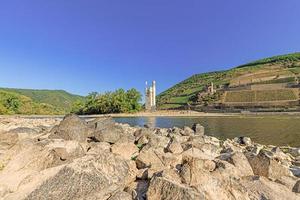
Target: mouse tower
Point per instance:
(150, 97)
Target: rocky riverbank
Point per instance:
(99, 159)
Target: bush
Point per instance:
(119, 101)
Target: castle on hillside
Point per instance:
(150, 97)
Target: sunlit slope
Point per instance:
(60, 100)
(273, 70)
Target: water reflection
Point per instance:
(265, 130)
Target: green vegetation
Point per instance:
(120, 101)
(260, 96)
(14, 103)
(59, 99)
(240, 96)
(277, 69)
(276, 95)
(288, 59)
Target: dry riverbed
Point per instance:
(70, 158)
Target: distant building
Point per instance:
(211, 89)
(150, 97)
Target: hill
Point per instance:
(52, 101)
(273, 71)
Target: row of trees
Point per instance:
(119, 101)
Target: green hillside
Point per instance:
(54, 101)
(277, 69)
(14, 103)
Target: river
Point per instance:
(275, 130)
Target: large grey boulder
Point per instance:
(105, 130)
(296, 187)
(127, 150)
(150, 158)
(89, 177)
(264, 165)
(71, 128)
(198, 129)
(175, 147)
(33, 157)
(164, 189)
(240, 161)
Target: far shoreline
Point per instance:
(173, 113)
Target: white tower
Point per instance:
(153, 95)
(150, 95)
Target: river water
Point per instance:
(275, 130)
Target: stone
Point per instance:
(95, 148)
(143, 132)
(243, 141)
(294, 151)
(296, 187)
(164, 189)
(121, 195)
(142, 174)
(187, 131)
(194, 169)
(66, 150)
(7, 140)
(125, 150)
(91, 177)
(138, 189)
(263, 165)
(171, 174)
(71, 128)
(143, 140)
(211, 140)
(177, 131)
(263, 189)
(198, 129)
(106, 130)
(180, 139)
(150, 158)
(240, 161)
(295, 170)
(171, 160)
(193, 142)
(175, 147)
(158, 141)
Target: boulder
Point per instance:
(187, 131)
(193, 142)
(150, 158)
(164, 189)
(125, 150)
(194, 170)
(92, 177)
(121, 195)
(71, 128)
(138, 189)
(243, 141)
(262, 188)
(198, 129)
(264, 165)
(240, 161)
(175, 147)
(35, 157)
(176, 131)
(95, 148)
(296, 187)
(294, 151)
(7, 140)
(143, 132)
(158, 141)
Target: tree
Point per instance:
(119, 101)
(12, 103)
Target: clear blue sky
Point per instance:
(99, 45)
